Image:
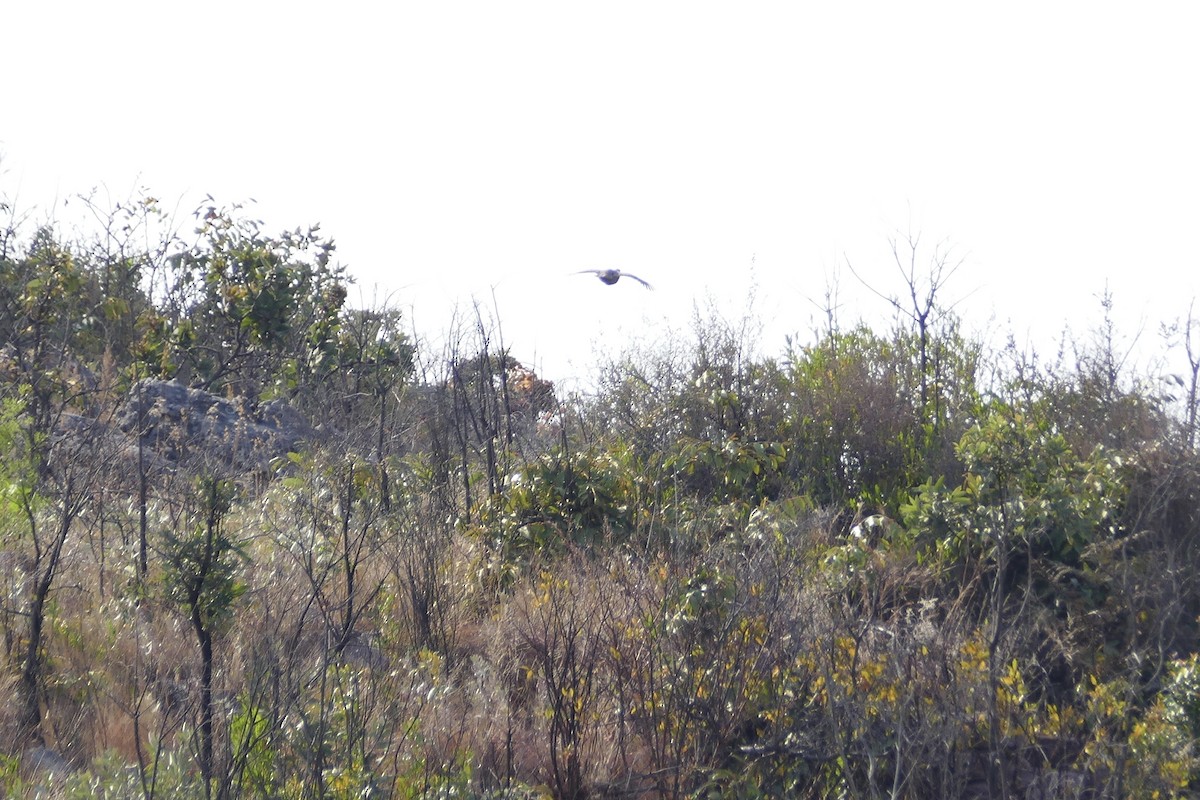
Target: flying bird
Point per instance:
(611, 276)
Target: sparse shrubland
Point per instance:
(882, 563)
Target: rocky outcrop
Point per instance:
(186, 425)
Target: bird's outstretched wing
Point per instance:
(639, 280)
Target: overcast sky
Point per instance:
(485, 151)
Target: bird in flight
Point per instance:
(611, 276)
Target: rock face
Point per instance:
(47, 762)
(186, 425)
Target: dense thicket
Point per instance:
(888, 562)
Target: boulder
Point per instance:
(43, 760)
(185, 425)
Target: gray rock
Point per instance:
(186, 425)
(360, 648)
(43, 759)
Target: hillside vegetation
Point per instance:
(882, 563)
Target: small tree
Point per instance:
(923, 306)
(201, 579)
(43, 475)
(247, 311)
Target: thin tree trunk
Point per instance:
(31, 673)
(204, 638)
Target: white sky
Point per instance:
(456, 149)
